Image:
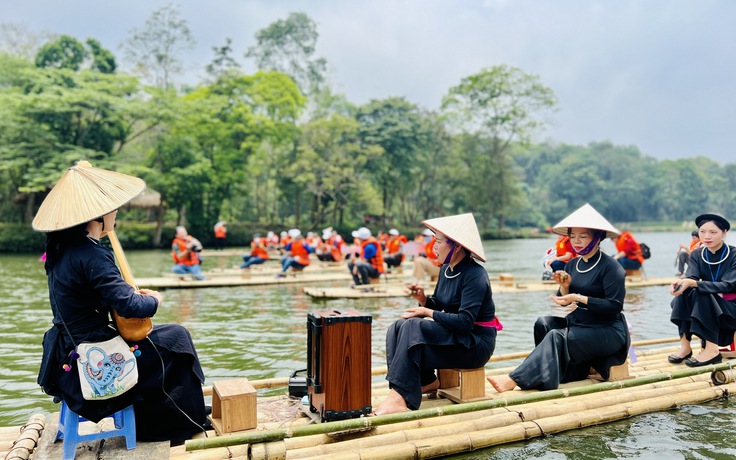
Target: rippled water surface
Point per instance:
(260, 332)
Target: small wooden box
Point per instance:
(234, 406)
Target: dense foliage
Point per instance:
(277, 148)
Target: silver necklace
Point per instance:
(725, 256)
(577, 266)
(453, 276)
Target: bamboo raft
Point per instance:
(439, 428)
(499, 286)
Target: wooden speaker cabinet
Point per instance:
(339, 364)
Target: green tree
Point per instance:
(328, 165)
(223, 60)
(65, 53)
(102, 59)
(394, 125)
(156, 50)
(504, 105)
(288, 46)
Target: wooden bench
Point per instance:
(462, 385)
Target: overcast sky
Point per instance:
(658, 74)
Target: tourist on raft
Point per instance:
(463, 329)
(704, 302)
(593, 334)
(85, 287)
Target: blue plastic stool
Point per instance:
(69, 429)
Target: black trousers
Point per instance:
(707, 316)
(565, 353)
(365, 271)
(412, 358)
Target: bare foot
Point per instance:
(393, 403)
(502, 383)
(432, 387)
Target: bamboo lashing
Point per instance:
(131, 329)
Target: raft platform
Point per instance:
(439, 428)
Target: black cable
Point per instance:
(163, 388)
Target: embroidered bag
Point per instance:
(106, 369)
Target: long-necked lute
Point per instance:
(131, 329)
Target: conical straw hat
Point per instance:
(586, 217)
(85, 193)
(461, 229)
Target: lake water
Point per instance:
(260, 332)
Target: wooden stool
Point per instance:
(620, 372)
(462, 385)
(233, 406)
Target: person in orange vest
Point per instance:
(427, 265)
(272, 240)
(383, 238)
(369, 262)
(629, 251)
(564, 253)
(220, 234)
(298, 253)
(684, 252)
(330, 249)
(185, 251)
(395, 248)
(258, 253)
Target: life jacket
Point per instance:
(384, 240)
(431, 255)
(377, 260)
(626, 243)
(299, 251)
(178, 246)
(394, 246)
(220, 231)
(259, 250)
(285, 241)
(564, 246)
(695, 244)
(334, 246)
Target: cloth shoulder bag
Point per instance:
(106, 369)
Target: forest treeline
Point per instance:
(279, 148)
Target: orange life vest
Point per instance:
(377, 260)
(394, 245)
(220, 231)
(564, 246)
(179, 246)
(627, 244)
(259, 250)
(431, 255)
(299, 252)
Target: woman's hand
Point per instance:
(679, 286)
(562, 278)
(567, 300)
(417, 312)
(157, 295)
(418, 293)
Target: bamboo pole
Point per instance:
(27, 440)
(420, 431)
(132, 329)
(368, 422)
(435, 446)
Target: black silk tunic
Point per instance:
(703, 311)
(415, 347)
(84, 286)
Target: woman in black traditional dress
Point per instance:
(593, 334)
(704, 302)
(462, 332)
(85, 286)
